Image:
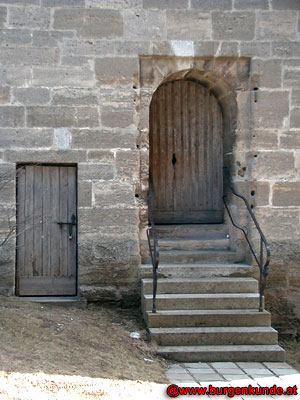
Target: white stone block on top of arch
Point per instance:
(183, 48)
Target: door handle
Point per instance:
(73, 222)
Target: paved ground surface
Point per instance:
(221, 374)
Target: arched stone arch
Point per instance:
(224, 78)
(222, 91)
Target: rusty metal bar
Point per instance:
(153, 248)
(263, 267)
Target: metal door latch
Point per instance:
(73, 222)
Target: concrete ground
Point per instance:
(240, 374)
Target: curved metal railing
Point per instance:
(264, 245)
(153, 247)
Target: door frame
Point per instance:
(24, 164)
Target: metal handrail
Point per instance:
(263, 267)
(154, 249)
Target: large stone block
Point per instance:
(266, 73)
(90, 23)
(291, 78)
(11, 116)
(103, 139)
(285, 5)
(63, 76)
(290, 140)
(280, 49)
(87, 117)
(3, 15)
(8, 191)
(233, 25)
(228, 49)
(125, 296)
(294, 278)
(256, 192)
(15, 37)
(8, 196)
(115, 4)
(26, 138)
(144, 25)
(116, 70)
(117, 93)
(295, 118)
(251, 4)
(257, 140)
(206, 48)
(21, 2)
(28, 55)
(63, 3)
(76, 61)
(208, 5)
(42, 156)
(234, 72)
(96, 172)
(51, 116)
(271, 109)
(286, 194)
(62, 116)
(62, 138)
(33, 17)
(188, 25)
(120, 221)
(73, 97)
(113, 194)
(277, 279)
(164, 4)
(28, 96)
(276, 25)
(255, 49)
(85, 194)
(4, 94)
(50, 38)
(279, 223)
(116, 116)
(15, 75)
(102, 156)
(104, 48)
(271, 165)
(7, 267)
(296, 98)
(127, 164)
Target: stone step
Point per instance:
(208, 318)
(205, 231)
(203, 285)
(214, 336)
(209, 256)
(191, 244)
(228, 301)
(258, 353)
(197, 270)
(66, 301)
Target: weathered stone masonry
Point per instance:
(74, 89)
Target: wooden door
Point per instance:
(46, 248)
(186, 154)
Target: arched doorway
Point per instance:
(186, 154)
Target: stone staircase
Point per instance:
(207, 302)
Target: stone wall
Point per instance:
(71, 91)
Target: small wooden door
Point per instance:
(46, 244)
(186, 154)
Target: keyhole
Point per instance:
(174, 159)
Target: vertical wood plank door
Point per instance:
(46, 249)
(186, 154)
